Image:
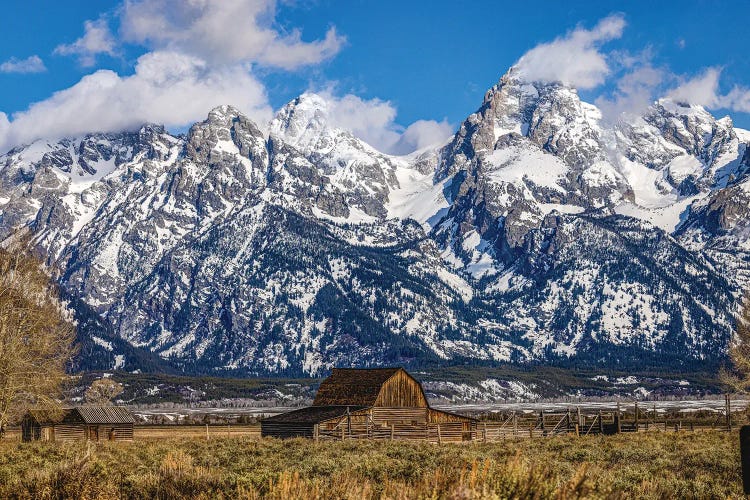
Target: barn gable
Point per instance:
(401, 390)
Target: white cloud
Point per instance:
(421, 134)
(32, 64)
(97, 39)
(4, 127)
(635, 92)
(223, 31)
(702, 89)
(374, 121)
(738, 99)
(574, 59)
(202, 55)
(166, 88)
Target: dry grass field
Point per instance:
(158, 464)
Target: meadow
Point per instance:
(647, 465)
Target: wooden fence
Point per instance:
(626, 418)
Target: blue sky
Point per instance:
(391, 62)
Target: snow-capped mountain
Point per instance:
(539, 232)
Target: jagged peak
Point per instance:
(681, 108)
(692, 116)
(224, 114)
(515, 78)
(302, 120)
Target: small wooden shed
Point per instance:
(379, 403)
(92, 423)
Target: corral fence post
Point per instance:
(440, 438)
(316, 430)
(348, 423)
(541, 420)
(601, 423)
(618, 420)
(207, 432)
(728, 406)
(636, 416)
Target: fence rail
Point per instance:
(623, 419)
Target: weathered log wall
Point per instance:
(401, 390)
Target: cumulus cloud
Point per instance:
(224, 31)
(374, 121)
(32, 64)
(738, 99)
(167, 88)
(635, 92)
(574, 59)
(704, 90)
(422, 134)
(202, 55)
(97, 39)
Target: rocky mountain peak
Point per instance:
(224, 133)
(691, 127)
(551, 234)
(302, 121)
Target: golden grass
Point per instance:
(653, 465)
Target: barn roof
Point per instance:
(105, 414)
(353, 386)
(314, 414)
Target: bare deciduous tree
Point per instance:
(103, 391)
(36, 337)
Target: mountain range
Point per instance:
(541, 232)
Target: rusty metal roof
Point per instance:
(314, 414)
(105, 414)
(353, 386)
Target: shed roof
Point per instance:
(50, 417)
(458, 415)
(105, 414)
(314, 414)
(353, 386)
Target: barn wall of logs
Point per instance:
(401, 390)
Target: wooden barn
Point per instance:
(92, 423)
(379, 403)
